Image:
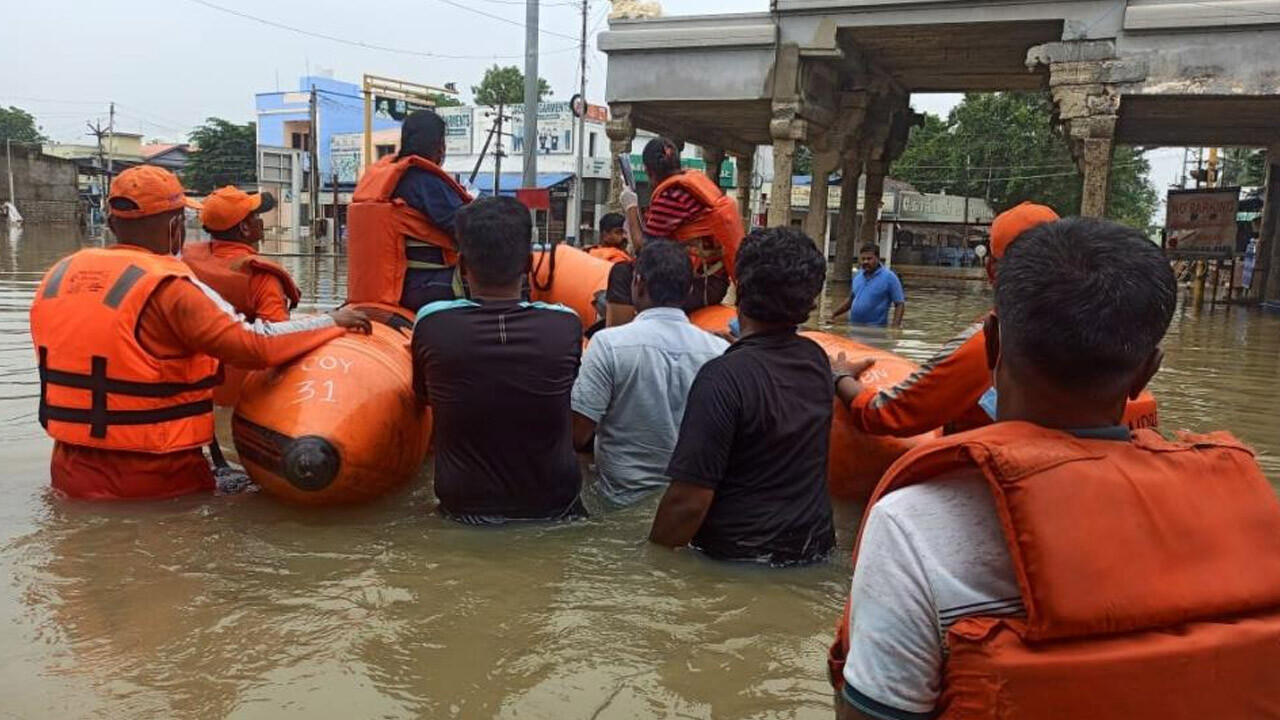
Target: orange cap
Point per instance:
(147, 190)
(1011, 223)
(228, 206)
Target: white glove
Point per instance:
(628, 199)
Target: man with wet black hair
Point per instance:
(497, 373)
(635, 378)
(1080, 309)
(611, 243)
(749, 472)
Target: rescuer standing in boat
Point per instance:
(402, 249)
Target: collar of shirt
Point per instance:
(662, 313)
(229, 248)
(1105, 432)
(873, 273)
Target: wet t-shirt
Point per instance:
(756, 430)
(498, 377)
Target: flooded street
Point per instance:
(247, 608)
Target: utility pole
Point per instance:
(8, 157)
(96, 130)
(531, 94)
(111, 138)
(580, 135)
(314, 183)
(497, 156)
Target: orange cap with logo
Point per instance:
(147, 190)
(228, 206)
(1011, 223)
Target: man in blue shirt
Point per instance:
(874, 290)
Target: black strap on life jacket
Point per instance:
(100, 386)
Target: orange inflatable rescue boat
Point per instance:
(339, 425)
(571, 278)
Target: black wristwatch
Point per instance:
(836, 377)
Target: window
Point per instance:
(382, 151)
(591, 145)
(300, 141)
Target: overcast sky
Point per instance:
(169, 64)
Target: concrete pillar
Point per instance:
(1096, 164)
(714, 160)
(787, 130)
(869, 230)
(746, 191)
(815, 225)
(622, 133)
(847, 222)
(1266, 263)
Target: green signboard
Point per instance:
(727, 169)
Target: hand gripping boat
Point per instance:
(339, 425)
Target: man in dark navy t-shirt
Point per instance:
(749, 471)
(498, 373)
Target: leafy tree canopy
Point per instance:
(505, 86)
(19, 126)
(445, 100)
(225, 154)
(1001, 146)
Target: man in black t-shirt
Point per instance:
(749, 472)
(498, 373)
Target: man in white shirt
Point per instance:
(630, 393)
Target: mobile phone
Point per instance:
(628, 175)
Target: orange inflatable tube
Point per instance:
(857, 460)
(714, 318)
(339, 425)
(576, 280)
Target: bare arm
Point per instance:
(635, 229)
(584, 431)
(898, 310)
(683, 508)
(844, 308)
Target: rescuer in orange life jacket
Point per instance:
(948, 390)
(128, 343)
(402, 248)
(1055, 564)
(690, 208)
(612, 245)
(230, 264)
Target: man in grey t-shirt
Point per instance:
(630, 393)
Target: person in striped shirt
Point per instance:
(671, 208)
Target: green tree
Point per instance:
(19, 126)
(1244, 167)
(1002, 147)
(225, 153)
(445, 100)
(505, 86)
(803, 161)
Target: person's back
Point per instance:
(402, 248)
(1080, 309)
(497, 373)
(748, 475)
(635, 379)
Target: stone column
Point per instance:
(746, 192)
(815, 225)
(869, 230)
(1266, 263)
(622, 133)
(787, 130)
(714, 160)
(847, 222)
(1096, 165)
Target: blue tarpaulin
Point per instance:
(510, 182)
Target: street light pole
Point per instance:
(531, 94)
(580, 136)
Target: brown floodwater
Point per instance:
(244, 607)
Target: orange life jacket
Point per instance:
(229, 276)
(98, 386)
(1150, 573)
(611, 254)
(713, 236)
(379, 225)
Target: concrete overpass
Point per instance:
(837, 75)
